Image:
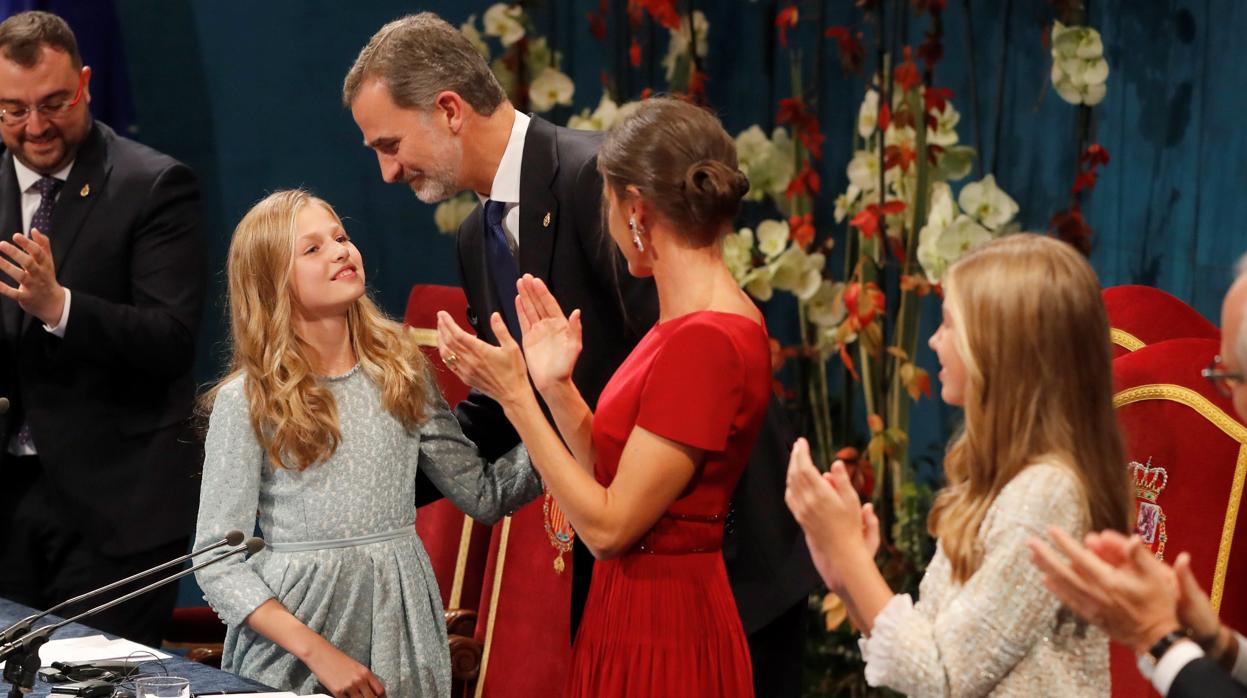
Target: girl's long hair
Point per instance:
(293, 413)
(1033, 334)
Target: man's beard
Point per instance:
(440, 181)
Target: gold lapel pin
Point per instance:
(545, 222)
(86, 191)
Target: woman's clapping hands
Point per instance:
(836, 524)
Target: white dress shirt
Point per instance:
(506, 185)
(26, 180)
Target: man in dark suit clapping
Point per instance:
(101, 289)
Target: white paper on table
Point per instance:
(95, 648)
(271, 694)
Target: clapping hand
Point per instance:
(28, 261)
(1114, 582)
(497, 371)
(836, 524)
(552, 341)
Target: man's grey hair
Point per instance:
(419, 56)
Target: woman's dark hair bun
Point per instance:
(713, 190)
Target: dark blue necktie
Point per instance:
(48, 188)
(502, 267)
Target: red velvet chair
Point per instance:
(506, 574)
(1142, 315)
(1188, 454)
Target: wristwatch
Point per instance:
(1162, 645)
(1148, 661)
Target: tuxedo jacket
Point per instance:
(563, 241)
(1204, 678)
(109, 403)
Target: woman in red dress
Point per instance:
(646, 480)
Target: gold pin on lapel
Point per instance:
(545, 222)
(86, 191)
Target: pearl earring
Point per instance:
(636, 234)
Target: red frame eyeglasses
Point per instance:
(53, 110)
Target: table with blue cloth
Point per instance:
(203, 678)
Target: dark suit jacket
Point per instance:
(765, 551)
(108, 404)
(1203, 678)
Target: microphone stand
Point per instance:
(24, 625)
(21, 656)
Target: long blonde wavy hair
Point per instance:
(1033, 334)
(293, 413)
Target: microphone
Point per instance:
(21, 656)
(23, 626)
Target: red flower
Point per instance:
(801, 229)
(936, 98)
(1084, 180)
(897, 245)
(663, 11)
(895, 155)
(869, 218)
(597, 26)
(696, 84)
(646, 93)
(786, 18)
(863, 302)
(1094, 156)
(931, 50)
(850, 45)
(1071, 227)
(793, 110)
(907, 72)
(805, 182)
(885, 117)
(634, 53)
(812, 139)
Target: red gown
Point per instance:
(660, 620)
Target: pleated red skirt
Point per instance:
(660, 625)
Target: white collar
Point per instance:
(506, 186)
(27, 177)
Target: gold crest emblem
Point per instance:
(545, 222)
(86, 191)
(1149, 523)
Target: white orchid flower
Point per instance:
(945, 132)
(988, 203)
(451, 212)
(772, 238)
(503, 21)
(548, 89)
(863, 171)
(868, 114)
(738, 253)
(1079, 69)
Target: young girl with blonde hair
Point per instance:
(318, 429)
(1024, 349)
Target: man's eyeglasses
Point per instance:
(19, 114)
(1223, 381)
